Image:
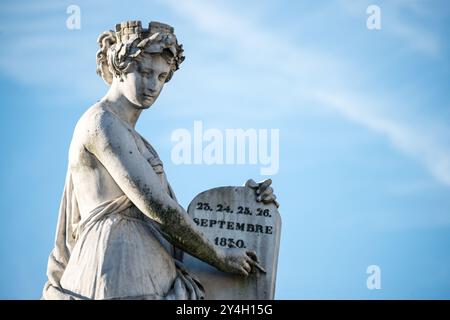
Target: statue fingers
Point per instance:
(252, 255)
(263, 186)
(251, 184)
(265, 194)
(247, 267)
(268, 198)
(243, 271)
(271, 199)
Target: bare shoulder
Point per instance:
(95, 120)
(98, 125)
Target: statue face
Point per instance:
(145, 80)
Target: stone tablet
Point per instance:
(231, 216)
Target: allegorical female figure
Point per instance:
(121, 232)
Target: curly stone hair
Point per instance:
(119, 48)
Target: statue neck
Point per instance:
(121, 106)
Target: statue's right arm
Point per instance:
(114, 146)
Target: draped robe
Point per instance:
(115, 252)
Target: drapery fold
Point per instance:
(109, 253)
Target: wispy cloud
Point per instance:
(302, 64)
(35, 59)
(434, 157)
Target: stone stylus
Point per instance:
(255, 263)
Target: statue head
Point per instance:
(139, 61)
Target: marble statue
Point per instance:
(121, 233)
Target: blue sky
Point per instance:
(363, 116)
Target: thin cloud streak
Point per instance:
(221, 23)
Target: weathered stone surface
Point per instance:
(231, 215)
(121, 232)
